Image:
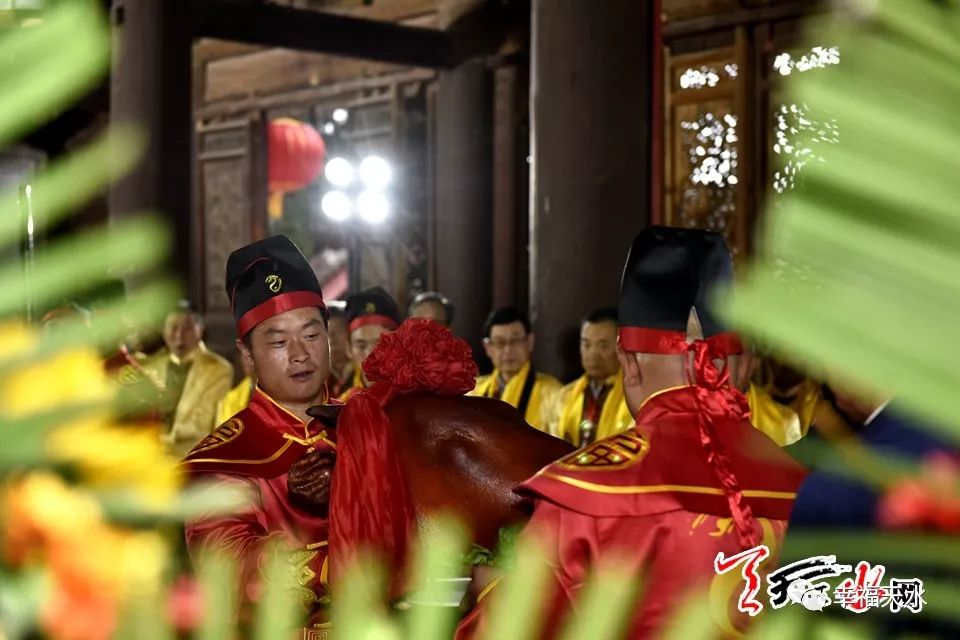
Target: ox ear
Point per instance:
(326, 414)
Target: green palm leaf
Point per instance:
(876, 221)
(43, 68)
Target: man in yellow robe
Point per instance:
(508, 341)
(193, 380)
(592, 407)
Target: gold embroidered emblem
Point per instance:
(616, 452)
(273, 282)
(227, 432)
(724, 526)
(302, 577)
(370, 308)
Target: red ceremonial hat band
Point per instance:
(662, 341)
(383, 321)
(275, 306)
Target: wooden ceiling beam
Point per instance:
(277, 26)
(479, 31)
(740, 17)
(484, 28)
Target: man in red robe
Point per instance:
(273, 448)
(691, 480)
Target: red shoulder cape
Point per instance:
(660, 466)
(262, 441)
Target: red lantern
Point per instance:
(295, 155)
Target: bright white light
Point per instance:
(336, 205)
(329, 128)
(375, 172)
(373, 206)
(339, 172)
(340, 115)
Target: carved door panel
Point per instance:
(230, 212)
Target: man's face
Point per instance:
(290, 355)
(182, 333)
(598, 349)
(509, 347)
(432, 310)
(363, 340)
(339, 344)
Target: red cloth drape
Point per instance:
(370, 504)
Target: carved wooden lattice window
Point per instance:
(703, 150)
(799, 130)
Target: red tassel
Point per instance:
(715, 395)
(370, 503)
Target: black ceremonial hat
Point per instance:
(670, 271)
(267, 278)
(372, 306)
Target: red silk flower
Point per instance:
(925, 501)
(422, 355)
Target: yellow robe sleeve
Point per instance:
(538, 409)
(555, 410)
(209, 379)
(234, 401)
(779, 422)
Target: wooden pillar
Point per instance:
(150, 85)
(591, 92)
(506, 219)
(462, 223)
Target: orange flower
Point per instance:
(78, 614)
(93, 567)
(41, 511)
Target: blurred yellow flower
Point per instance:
(16, 339)
(118, 457)
(73, 377)
(108, 456)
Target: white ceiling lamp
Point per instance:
(339, 172)
(336, 205)
(375, 172)
(373, 206)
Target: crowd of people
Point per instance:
(653, 360)
(195, 392)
